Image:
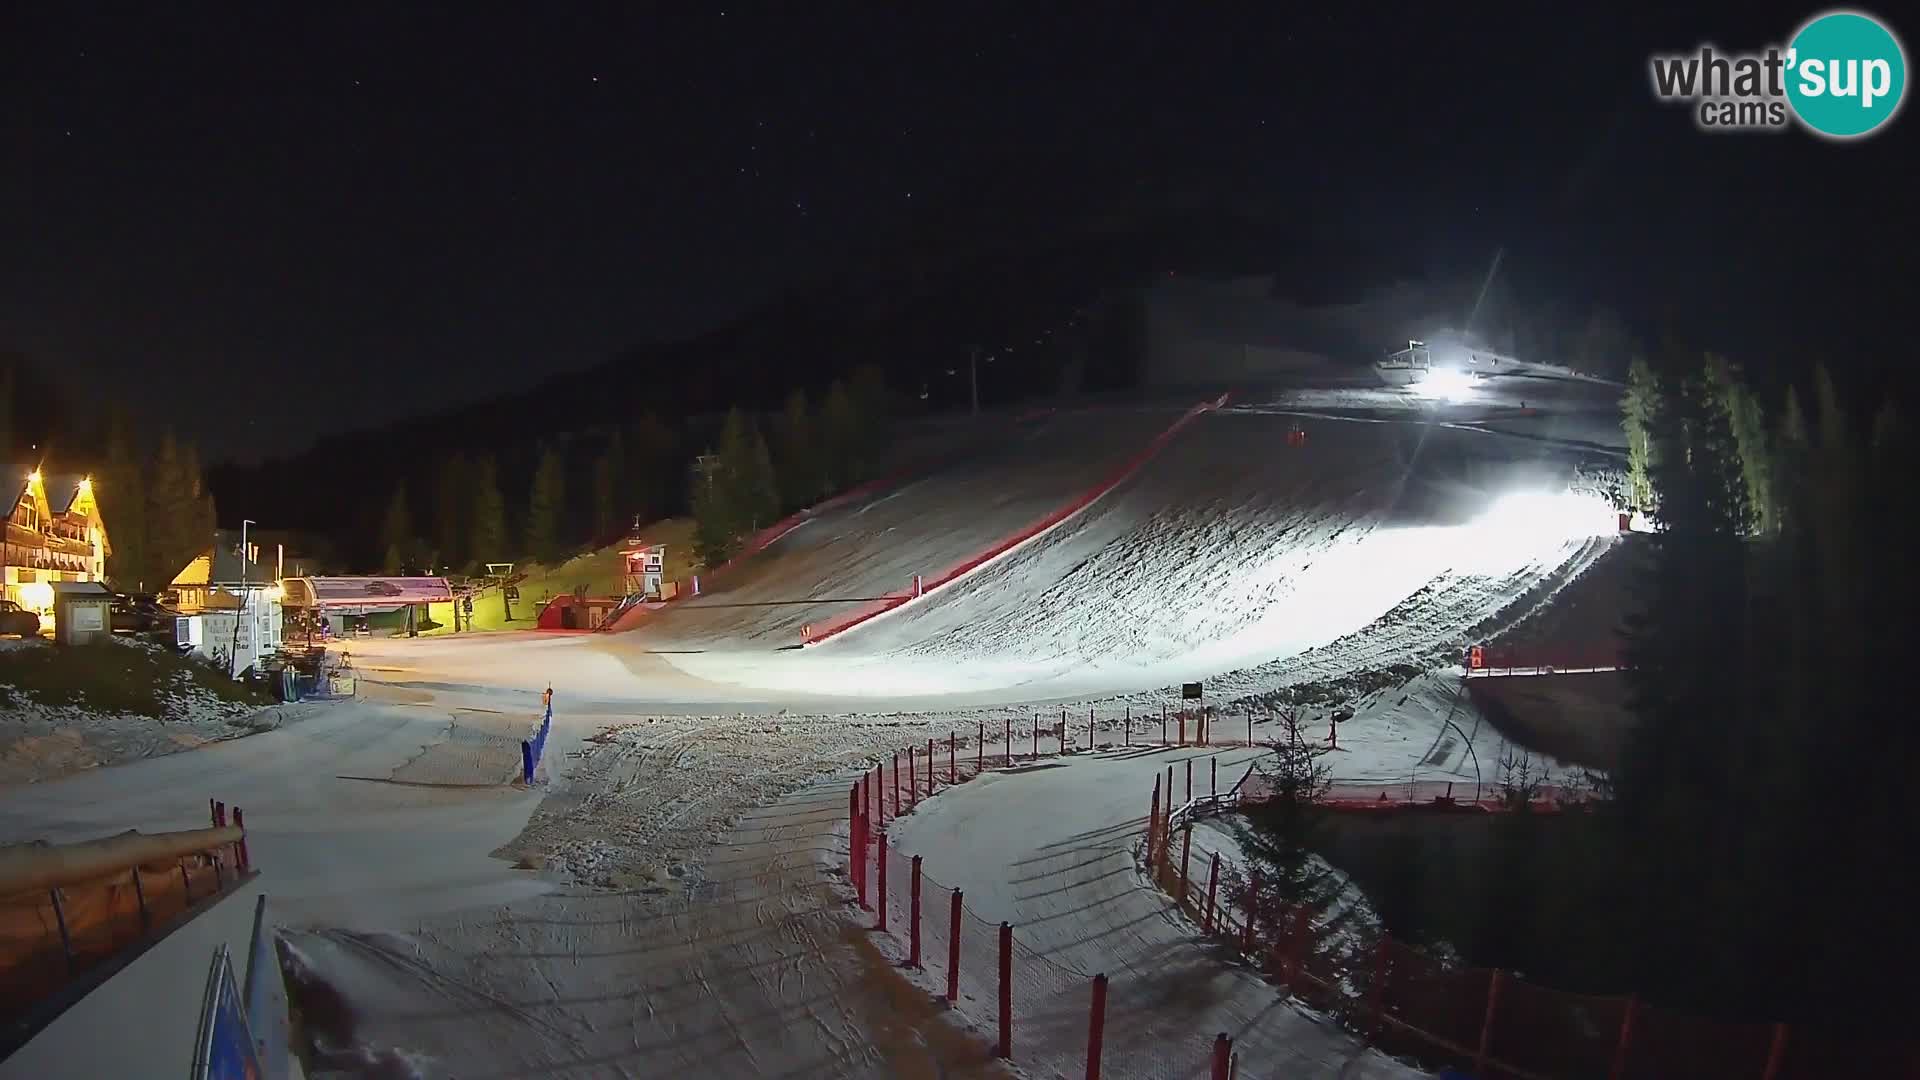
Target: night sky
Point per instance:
(362, 217)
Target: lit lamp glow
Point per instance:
(36, 596)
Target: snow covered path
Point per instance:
(1052, 852)
(756, 972)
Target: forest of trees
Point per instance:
(584, 489)
(1764, 809)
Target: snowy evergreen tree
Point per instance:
(488, 538)
(396, 532)
(546, 503)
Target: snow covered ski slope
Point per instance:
(1230, 550)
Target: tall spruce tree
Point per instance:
(609, 484)
(172, 515)
(453, 496)
(546, 503)
(798, 458)
(121, 493)
(839, 439)
(397, 537)
(716, 521)
(488, 541)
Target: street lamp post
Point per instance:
(245, 609)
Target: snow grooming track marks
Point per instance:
(754, 972)
(847, 622)
(1228, 553)
(871, 548)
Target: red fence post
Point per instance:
(1253, 912)
(929, 767)
(1153, 820)
(866, 868)
(896, 783)
(953, 949)
(853, 835)
(980, 748)
(913, 919)
(1222, 1056)
(877, 807)
(953, 750)
(1625, 1044)
(1096, 1026)
(1213, 777)
(1494, 982)
(1186, 856)
(1775, 1053)
(913, 781)
(1036, 737)
(1213, 884)
(1189, 774)
(880, 894)
(1005, 1049)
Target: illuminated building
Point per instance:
(54, 533)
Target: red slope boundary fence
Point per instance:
(1498, 1025)
(1492, 661)
(815, 633)
(1020, 997)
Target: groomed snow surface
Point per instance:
(673, 916)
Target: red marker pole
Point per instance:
(896, 783)
(913, 919)
(1005, 1049)
(1213, 885)
(1153, 821)
(1096, 1026)
(929, 766)
(1009, 740)
(913, 789)
(880, 894)
(953, 949)
(953, 748)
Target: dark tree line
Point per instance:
(1768, 816)
(750, 481)
(461, 510)
(577, 490)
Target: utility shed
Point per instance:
(82, 612)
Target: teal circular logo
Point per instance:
(1846, 74)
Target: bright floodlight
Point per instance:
(1446, 384)
(1550, 517)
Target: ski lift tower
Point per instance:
(645, 564)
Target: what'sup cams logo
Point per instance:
(1842, 76)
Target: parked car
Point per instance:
(15, 619)
(142, 614)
